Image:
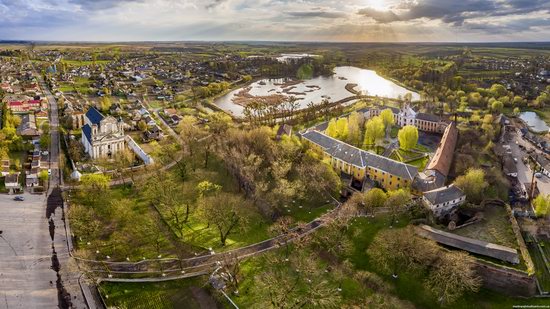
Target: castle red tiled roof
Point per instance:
(443, 157)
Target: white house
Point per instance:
(443, 200)
(102, 136)
(12, 183)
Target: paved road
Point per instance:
(68, 287)
(525, 174)
(26, 255)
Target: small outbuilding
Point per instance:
(443, 200)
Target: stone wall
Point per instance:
(506, 280)
(147, 159)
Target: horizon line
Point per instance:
(24, 41)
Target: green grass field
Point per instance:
(187, 293)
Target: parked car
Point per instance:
(19, 198)
(538, 175)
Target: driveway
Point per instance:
(27, 279)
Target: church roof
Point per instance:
(94, 115)
(87, 131)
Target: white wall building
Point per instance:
(443, 200)
(102, 136)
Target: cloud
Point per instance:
(326, 20)
(317, 14)
(94, 5)
(455, 12)
(379, 16)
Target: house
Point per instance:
(443, 200)
(153, 133)
(24, 106)
(28, 128)
(360, 164)
(102, 136)
(12, 183)
(6, 87)
(407, 116)
(149, 121)
(543, 163)
(285, 129)
(31, 179)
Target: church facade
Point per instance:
(102, 136)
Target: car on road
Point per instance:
(538, 175)
(49, 172)
(516, 160)
(19, 198)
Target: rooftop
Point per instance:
(443, 194)
(94, 115)
(359, 157)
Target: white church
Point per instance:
(102, 136)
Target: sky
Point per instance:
(276, 20)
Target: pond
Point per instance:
(535, 123)
(315, 90)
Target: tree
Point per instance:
(45, 141)
(400, 250)
(293, 282)
(105, 103)
(332, 129)
(342, 129)
(497, 106)
(542, 205)
(449, 274)
(473, 184)
(95, 186)
(206, 188)
(408, 137)
(374, 131)
(355, 123)
(43, 176)
(387, 118)
(397, 200)
(498, 90)
(189, 133)
(516, 111)
(452, 275)
(227, 212)
(142, 126)
(375, 198)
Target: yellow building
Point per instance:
(360, 164)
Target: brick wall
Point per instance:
(505, 280)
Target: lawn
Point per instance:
(81, 84)
(408, 287)
(495, 228)
(118, 239)
(540, 268)
(187, 293)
